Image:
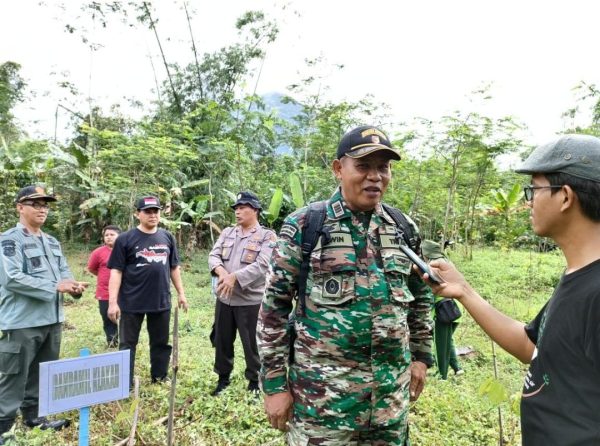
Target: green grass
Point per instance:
(448, 413)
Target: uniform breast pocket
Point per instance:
(226, 250)
(397, 268)
(58, 255)
(34, 261)
(250, 253)
(333, 274)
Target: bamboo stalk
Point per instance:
(136, 395)
(175, 367)
(500, 428)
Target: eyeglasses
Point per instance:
(36, 205)
(529, 190)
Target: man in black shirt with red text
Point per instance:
(143, 263)
(560, 404)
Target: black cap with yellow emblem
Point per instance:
(363, 141)
(33, 193)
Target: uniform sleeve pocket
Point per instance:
(9, 357)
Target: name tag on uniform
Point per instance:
(389, 241)
(337, 240)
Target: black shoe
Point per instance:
(114, 343)
(221, 385)
(162, 380)
(44, 423)
(254, 389)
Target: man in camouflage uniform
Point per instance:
(363, 340)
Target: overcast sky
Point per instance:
(420, 57)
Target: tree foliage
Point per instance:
(209, 135)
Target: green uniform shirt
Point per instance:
(30, 269)
(366, 316)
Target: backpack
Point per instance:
(312, 229)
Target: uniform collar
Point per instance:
(253, 230)
(25, 231)
(338, 209)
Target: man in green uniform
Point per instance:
(445, 352)
(363, 339)
(33, 275)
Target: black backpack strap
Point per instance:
(407, 231)
(311, 230)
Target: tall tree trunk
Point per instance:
(162, 53)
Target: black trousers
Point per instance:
(157, 324)
(229, 320)
(110, 328)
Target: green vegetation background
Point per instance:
(449, 412)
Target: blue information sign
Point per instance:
(74, 383)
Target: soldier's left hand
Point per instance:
(418, 374)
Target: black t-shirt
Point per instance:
(561, 393)
(146, 261)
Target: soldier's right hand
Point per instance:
(279, 409)
(114, 312)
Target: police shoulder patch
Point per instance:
(288, 231)
(9, 248)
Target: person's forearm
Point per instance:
(220, 269)
(114, 284)
(505, 331)
(176, 279)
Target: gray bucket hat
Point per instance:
(577, 155)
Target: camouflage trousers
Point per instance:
(303, 434)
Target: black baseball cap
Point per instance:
(33, 193)
(148, 202)
(246, 197)
(363, 141)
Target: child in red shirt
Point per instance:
(97, 266)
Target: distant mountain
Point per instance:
(273, 101)
(287, 112)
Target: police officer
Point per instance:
(240, 261)
(33, 275)
(363, 340)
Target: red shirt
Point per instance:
(97, 266)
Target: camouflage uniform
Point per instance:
(366, 318)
